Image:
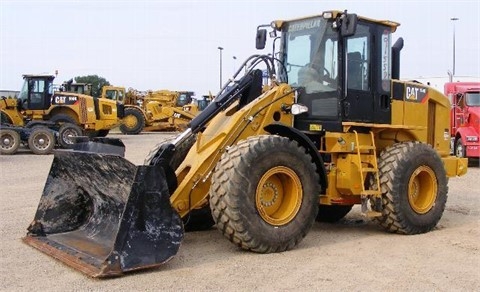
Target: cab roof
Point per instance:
(37, 75)
(332, 14)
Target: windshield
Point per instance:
(24, 92)
(472, 98)
(311, 54)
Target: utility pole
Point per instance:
(220, 49)
(453, 19)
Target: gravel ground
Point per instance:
(351, 255)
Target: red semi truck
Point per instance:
(465, 117)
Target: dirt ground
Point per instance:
(352, 255)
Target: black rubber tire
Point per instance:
(414, 188)
(332, 213)
(9, 141)
(41, 140)
(460, 149)
(66, 131)
(135, 116)
(264, 194)
(197, 219)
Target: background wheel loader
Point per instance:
(75, 114)
(334, 127)
(39, 137)
(160, 110)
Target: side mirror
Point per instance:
(261, 39)
(349, 25)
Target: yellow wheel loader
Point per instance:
(160, 110)
(333, 127)
(75, 114)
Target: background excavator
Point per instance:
(333, 128)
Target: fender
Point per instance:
(463, 132)
(304, 141)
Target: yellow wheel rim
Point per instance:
(422, 189)
(130, 121)
(279, 195)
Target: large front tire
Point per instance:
(41, 140)
(264, 194)
(414, 188)
(133, 122)
(67, 133)
(9, 141)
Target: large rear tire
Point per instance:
(41, 140)
(414, 188)
(133, 122)
(9, 141)
(264, 194)
(66, 133)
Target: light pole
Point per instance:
(453, 19)
(220, 49)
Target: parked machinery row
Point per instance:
(65, 113)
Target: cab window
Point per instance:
(358, 60)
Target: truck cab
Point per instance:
(465, 117)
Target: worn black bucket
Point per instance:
(102, 215)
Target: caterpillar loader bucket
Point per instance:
(103, 215)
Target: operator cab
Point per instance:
(80, 88)
(36, 93)
(184, 98)
(341, 65)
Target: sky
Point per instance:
(157, 44)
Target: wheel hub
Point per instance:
(422, 190)
(6, 141)
(269, 194)
(130, 121)
(279, 195)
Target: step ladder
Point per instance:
(370, 159)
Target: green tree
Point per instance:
(96, 81)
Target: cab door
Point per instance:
(39, 94)
(358, 103)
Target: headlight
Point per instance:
(472, 138)
(298, 109)
(327, 15)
